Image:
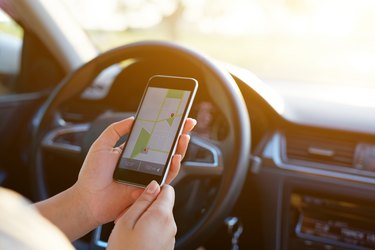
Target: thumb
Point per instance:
(166, 198)
(131, 217)
(113, 133)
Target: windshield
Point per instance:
(298, 41)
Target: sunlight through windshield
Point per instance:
(299, 41)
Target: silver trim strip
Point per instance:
(50, 143)
(320, 151)
(279, 151)
(97, 241)
(214, 168)
(215, 151)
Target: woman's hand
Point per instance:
(105, 198)
(148, 223)
(96, 198)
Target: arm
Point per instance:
(95, 198)
(69, 213)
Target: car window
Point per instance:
(298, 41)
(10, 51)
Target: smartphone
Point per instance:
(153, 138)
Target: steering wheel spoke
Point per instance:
(203, 158)
(65, 139)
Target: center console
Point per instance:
(324, 221)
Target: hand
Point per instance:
(148, 223)
(105, 199)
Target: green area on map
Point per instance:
(174, 93)
(170, 120)
(141, 143)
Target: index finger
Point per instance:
(189, 125)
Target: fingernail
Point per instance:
(151, 188)
(195, 122)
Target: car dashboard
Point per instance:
(311, 178)
(310, 182)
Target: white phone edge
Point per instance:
(180, 131)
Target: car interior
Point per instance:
(269, 166)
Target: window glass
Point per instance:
(298, 41)
(10, 51)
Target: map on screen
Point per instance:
(154, 130)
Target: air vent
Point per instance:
(318, 147)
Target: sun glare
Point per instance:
(322, 41)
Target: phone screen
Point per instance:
(154, 130)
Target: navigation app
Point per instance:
(154, 130)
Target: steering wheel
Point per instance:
(229, 157)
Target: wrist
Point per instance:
(82, 201)
(69, 212)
